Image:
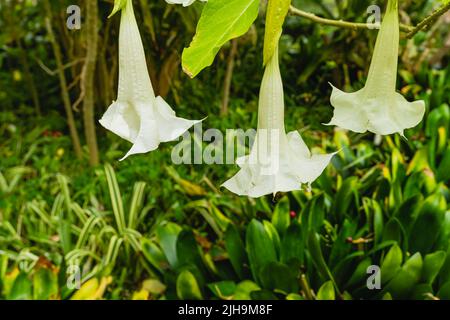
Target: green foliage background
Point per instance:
(147, 229)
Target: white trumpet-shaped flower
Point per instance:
(377, 107)
(138, 115)
(185, 3)
(278, 162)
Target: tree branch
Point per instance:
(409, 30)
(428, 21)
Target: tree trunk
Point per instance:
(63, 82)
(89, 73)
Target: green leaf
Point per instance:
(167, 235)
(281, 218)
(326, 292)
(444, 292)
(421, 291)
(45, 284)
(276, 14)
(344, 197)
(317, 257)
(273, 235)
(116, 198)
(444, 275)
(260, 248)
(188, 252)
(377, 222)
(426, 229)
(221, 21)
(391, 264)
(432, 264)
(360, 274)
(244, 289)
(294, 296)
(223, 290)
(187, 287)
(443, 241)
(292, 245)
(236, 250)
(153, 254)
(403, 283)
(278, 276)
(407, 213)
(392, 231)
(21, 289)
(443, 172)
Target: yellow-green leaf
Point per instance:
(221, 21)
(276, 14)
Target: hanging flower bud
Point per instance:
(278, 162)
(377, 107)
(137, 115)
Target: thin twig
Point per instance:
(428, 21)
(55, 72)
(410, 30)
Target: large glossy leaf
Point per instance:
(167, 235)
(428, 224)
(154, 255)
(432, 264)
(244, 289)
(223, 290)
(260, 248)
(188, 251)
(391, 264)
(326, 291)
(236, 250)
(221, 21)
(444, 292)
(278, 276)
(292, 245)
(405, 280)
(317, 256)
(281, 218)
(187, 286)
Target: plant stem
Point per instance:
(428, 21)
(410, 30)
(306, 288)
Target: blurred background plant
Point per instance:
(148, 229)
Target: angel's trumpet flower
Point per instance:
(377, 107)
(278, 162)
(138, 115)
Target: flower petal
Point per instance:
(295, 166)
(122, 119)
(169, 125)
(394, 114)
(349, 110)
(307, 167)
